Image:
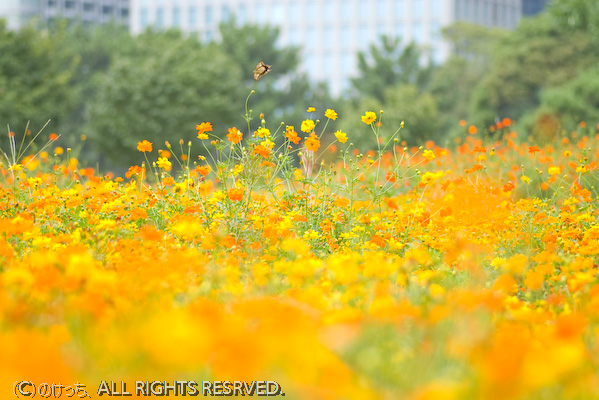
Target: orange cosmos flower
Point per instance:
(236, 194)
(312, 142)
(134, 170)
(53, 136)
(168, 181)
(533, 149)
(262, 150)
(291, 135)
(234, 135)
(203, 170)
(144, 146)
(472, 130)
(203, 128)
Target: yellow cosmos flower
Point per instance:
(163, 163)
(330, 114)
(428, 154)
(307, 126)
(262, 132)
(341, 136)
(554, 171)
(369, 117)
(428, 178)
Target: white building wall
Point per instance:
(19, 12)
(330, 32)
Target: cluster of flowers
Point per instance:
(415, 272)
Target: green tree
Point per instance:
(160, 92)
(577, 15)
(387, 65)
(537, 55)
(453, 82)
(402, 102)
(565, 106)
(35, 79)
(284, 92)
(95, 47)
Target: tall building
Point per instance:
(330, 32)
(19, 12)
(531, 7)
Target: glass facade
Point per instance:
(331, 32)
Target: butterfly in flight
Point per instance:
(261, 69)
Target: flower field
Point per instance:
(461, 271)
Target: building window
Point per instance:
(347, 62)
(159, 17)
(51, 3)
(328, 64)
(310, 63)
(69, 5)
(88, 7)
(485, 19)
(329, 12)
(399, 33)
(435, 30)
(277, 13)
(242, 15)
(311, 11)
(294, 36)
(311, 39)
(208, 15)
(381, 29)
(400, 8)
(225, 13)
(436, 8)
(363, 37)
(124, 12)
(143, 18)
(329, 37)
(176, 17)
(494, 15)
(345, 85)
(295, 10)
(417, 8)
(346, 36)
(347, 11)
(418, 32)
(260, 16)
(106, 10)
(193, 17)
(364, 10)
(381, 9)
(437, 55)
